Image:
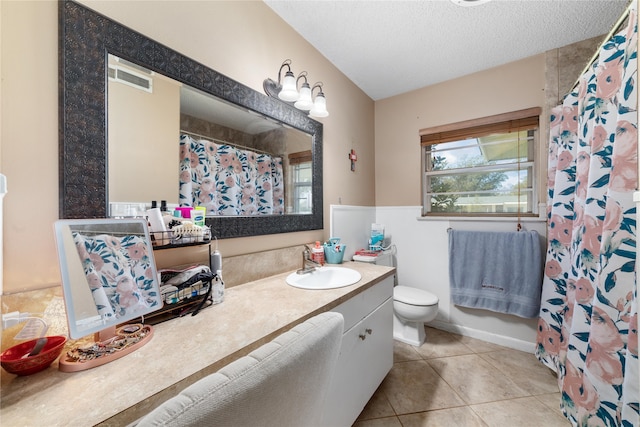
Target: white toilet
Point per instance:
(412, 307)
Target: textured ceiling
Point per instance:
(389, 47)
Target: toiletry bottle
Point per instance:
(216, 261)
(317, 253)
(198, 217)
(218, 288)
(157, 227)
(199, 214)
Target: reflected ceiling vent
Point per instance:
(134, 66)
(131, 78)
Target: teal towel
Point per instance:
(497, 271)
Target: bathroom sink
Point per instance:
(324, 278)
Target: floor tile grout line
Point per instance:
(529, 394)
(467, 404)
(447, 383)
(495, 364)
(557, 409)
(480, 353)
(478, 415)
(395, 411)
(503, 375)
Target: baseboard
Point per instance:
(502, 340)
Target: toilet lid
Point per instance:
(414, 296)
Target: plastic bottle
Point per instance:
(317, 253)
(198, 217)
(216, 261)
(218, 288)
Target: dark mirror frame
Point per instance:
(85, 40)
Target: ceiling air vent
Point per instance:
(131, 78)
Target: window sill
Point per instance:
(542, 217)
(512, 219)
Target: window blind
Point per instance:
(300, 157)
(500, 123)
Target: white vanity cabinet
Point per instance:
(366, 355)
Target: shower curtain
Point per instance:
(228, 180)
(587, 330)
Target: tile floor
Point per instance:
(457, 381)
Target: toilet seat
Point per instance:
(414, 296)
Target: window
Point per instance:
(481, 167)
(301, 179)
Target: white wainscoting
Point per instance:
(353, 225)
(423, 262)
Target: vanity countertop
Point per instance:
(181, 352)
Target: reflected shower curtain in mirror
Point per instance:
(228, 180)
(587, 330)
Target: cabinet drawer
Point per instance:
(356, 308)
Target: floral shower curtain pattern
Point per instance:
(229, 181)
(119, 273)
(587, 330)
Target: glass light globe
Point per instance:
(289, 92)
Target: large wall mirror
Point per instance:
(117, 147)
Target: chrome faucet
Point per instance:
(308, 265)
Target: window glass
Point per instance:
(489, 174)
(302, 178)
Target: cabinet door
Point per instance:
(366, 356)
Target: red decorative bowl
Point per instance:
(13, 362)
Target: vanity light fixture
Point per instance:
(320, 104)
(284, 89)
(304, 102)
(287, 90)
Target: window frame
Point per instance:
(297, 162)
(299, 187)
(527, 119)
